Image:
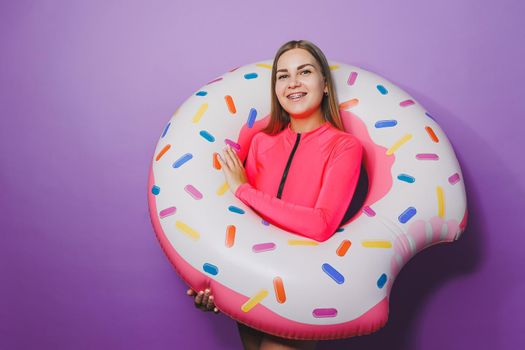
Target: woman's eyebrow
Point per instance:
(299, 67)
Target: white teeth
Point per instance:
(297, 95)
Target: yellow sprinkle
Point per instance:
(175, 113)
(222, 190)
(187, 230)
(301, 242)
(376, 244)
(256, 299)
(197, 117)
(264, 65)
(335, 66)
(441, 201)
(398, 144)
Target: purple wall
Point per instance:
(87, 87)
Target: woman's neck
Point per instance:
(301, 125)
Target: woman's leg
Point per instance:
(251, 338)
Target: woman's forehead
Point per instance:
(294, 58)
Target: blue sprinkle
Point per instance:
(178, 163)
(382, 89)
(211, 269)
(385, 123)
(201, 93)
(428, 115)
(381, 281)
(234, 209)
(265, 223)
(340, 229)
(165, 130)
(330, 271)
(155, 190)
(251, 117)
(250, 76)
(406, 178)
(207, 136)
(407, 215)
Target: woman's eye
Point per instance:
(306, 71)
(281, 76)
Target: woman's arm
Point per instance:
(321, 221)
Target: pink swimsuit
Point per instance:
(302, 182)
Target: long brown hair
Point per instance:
(279, 118)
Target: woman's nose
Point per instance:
(294, 82)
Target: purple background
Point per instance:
(87, 87)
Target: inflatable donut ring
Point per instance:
(279, 282)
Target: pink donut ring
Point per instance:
(279, 282)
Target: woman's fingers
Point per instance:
(228, 158)
(198, 298)
(204, 300)
(235, 157)
(206, 297)
(210, 304)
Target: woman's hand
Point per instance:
(203, 300)
(232, 168)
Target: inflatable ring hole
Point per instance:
(358, 200)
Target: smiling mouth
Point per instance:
(295, 96)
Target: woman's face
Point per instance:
(299, 83)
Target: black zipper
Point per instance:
(285, 173)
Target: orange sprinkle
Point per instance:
(349, 104)
(231, 105)
(278, 286)
(161, 153)
(343, 247)
(431, 134)
(230, 235)
(216, 163)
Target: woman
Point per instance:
(302, 169)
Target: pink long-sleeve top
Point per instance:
(302, 182)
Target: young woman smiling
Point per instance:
(302, 168)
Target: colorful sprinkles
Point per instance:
(407, 215)
(324, 313)
(162, 152)
(230, 235)
(207, 136)
(385, 123)
(187, 230)
(230, 104)
(381, 281)
(251, 117)
(210, 268)
(200, 112)
(454, 179)
(249, 76)
(165, 130)
(263, 247)
(351, 78)
(193, 192)
(155, 190)
(183, 159)
(333, 273)
(382, 89)
(254, 301)
(406, 178)
(167, 212)
(235, 209)
(278, 286)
